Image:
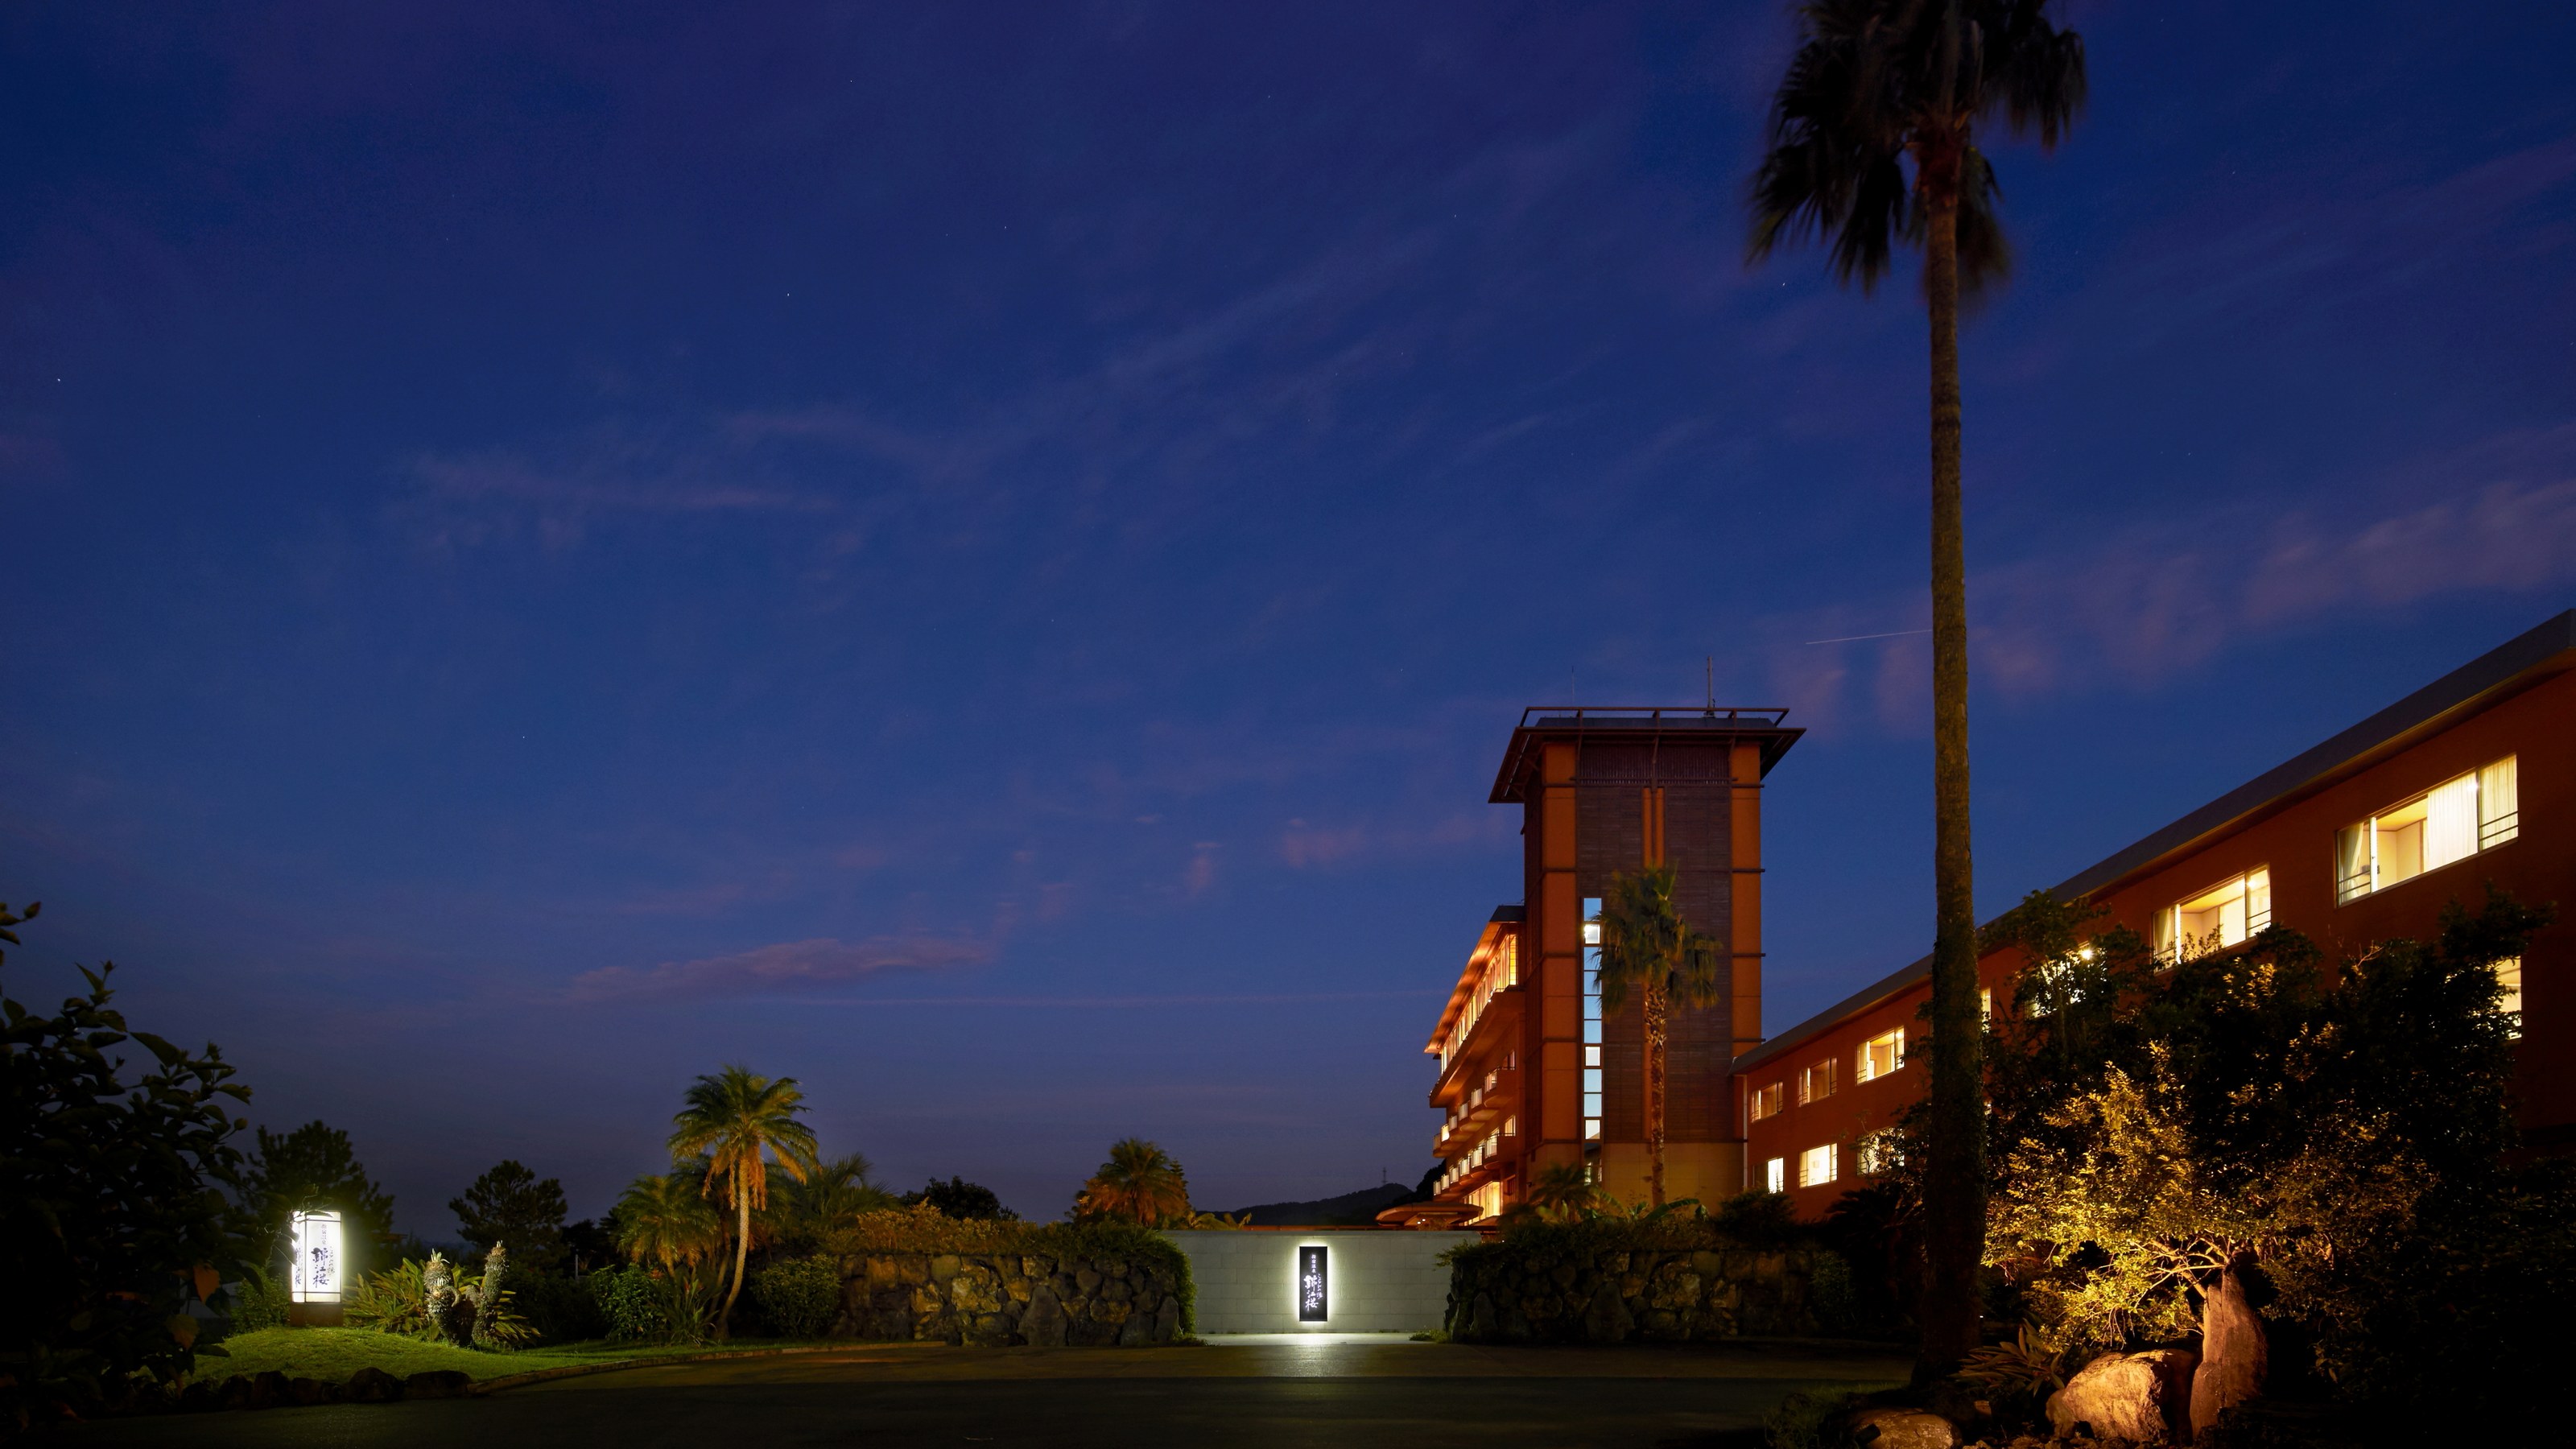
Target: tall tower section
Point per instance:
(1606, 791)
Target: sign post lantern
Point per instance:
(313, 1283)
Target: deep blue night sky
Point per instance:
(984, 556)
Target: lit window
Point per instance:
(1985, 1012)
(2226, 914)
(1775, 1175)
(1879, 1153)
(2452, 821)
(1881, 1055)
(1592, 1019)
(1816, 1083)
(1511, 1126)
(1766, 1101)
(2509, 976)
(1816, 1165)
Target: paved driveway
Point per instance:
(1332, 1395)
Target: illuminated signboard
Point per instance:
(317, 1258)
(1313, 1285)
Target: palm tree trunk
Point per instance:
(1655, 1035)
(741, 1253)
(1954, 1188)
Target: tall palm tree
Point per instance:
(1873, 142)
(738, 1122)
(1140, 1182)
(665, 1217)
(1648, 948)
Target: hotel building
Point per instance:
(1532, 1074)
(2469, 780)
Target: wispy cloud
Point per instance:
(1314, 847)
(2135, 606)
(787, 967)
(1121, 1003)
(557, 493)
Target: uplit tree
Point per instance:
(1562, 1192)
(741, 1124)
(1873, 143)
(664, 1219)
(1140, 1183)
(1648, 949)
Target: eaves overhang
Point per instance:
(2530, 658)
(1633, 724)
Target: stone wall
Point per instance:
(1505, 1292)
(994, 1299)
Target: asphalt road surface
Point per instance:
(1335, 1396)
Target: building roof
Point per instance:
(1634, 724)
(2519, 663)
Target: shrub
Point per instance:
(656, 1307)
(397, 1301)
(258, 1301)
(560, 1309)
(799, 1298)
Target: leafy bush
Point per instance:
(1798, 1421)
(560, 1309)
(1760, 1220)
(677, 1306)
(109, 1201)
(2020, 1374)
(258, 1301)
(799, 1298)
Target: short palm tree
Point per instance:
(1563, 1192)
(832, 1195)
(665, 1218)
(1874, 143)
(738, 1121)
(1647, 948)
(1140, 1183)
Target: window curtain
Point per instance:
(2352, 862)
(2451, 822)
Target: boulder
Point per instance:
(311, 1391)
(438, 1384)
(1605, 1318)
(2133, 1398)
(374, 1386)
(269, 1390)
(1167, 1319)
(1043, 1325)
(1902, 1429)
(2234, 1354)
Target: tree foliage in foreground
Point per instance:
(111, 1200)
(2345, 1132)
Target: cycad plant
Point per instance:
(739, 1122)
(1647, 948)
(1873, 143)
(1140, 1183)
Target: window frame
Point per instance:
(2357, 873)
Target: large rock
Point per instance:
(1902, 1429)
(1605, 1318)
(2234, 1356)
(374, 1386)
(2133, 1398)
(1043, 1325)
(438, 1384)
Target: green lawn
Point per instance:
(335, 1353)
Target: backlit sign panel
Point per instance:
(316, 1277)
(1313, 1285)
